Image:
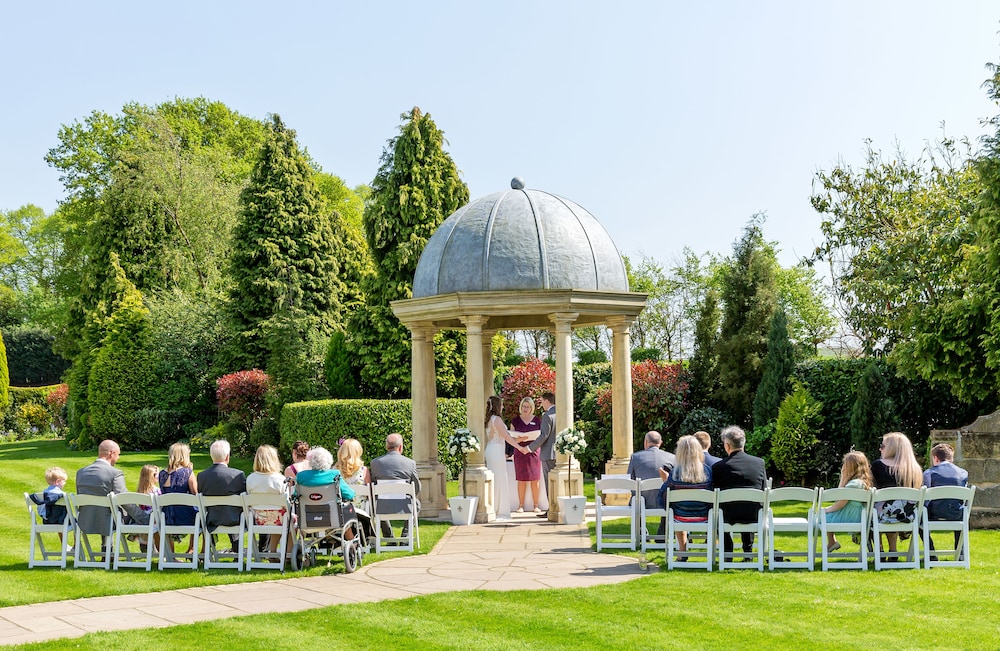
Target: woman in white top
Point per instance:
(350, 463)
(496, 458)
(267, 478)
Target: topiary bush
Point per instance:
(644, 354)
(155, 429)
(588, 357)
(794, 442)
(530, 378)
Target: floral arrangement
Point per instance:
(463, 441)
(570, 441)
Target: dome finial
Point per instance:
(517, 183)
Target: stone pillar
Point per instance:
(489, 379)
(560, 478)
(423, 398)
(621, 395)
(478, 476)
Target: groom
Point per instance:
(546, 440)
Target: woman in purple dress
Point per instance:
(527, 467)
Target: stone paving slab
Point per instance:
(527, 554)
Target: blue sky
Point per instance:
(671, 122)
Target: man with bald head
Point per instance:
(100, 478)
(393, 465)
(646, 464)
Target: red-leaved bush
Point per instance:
(529, 379)
(57, 398)
(241, 396)
(659, 397)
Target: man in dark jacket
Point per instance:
(219, 480)
(738, 470)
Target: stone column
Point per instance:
(478, 476)
(560, 478)
(423, 398)
(489, 384)
(621, 394)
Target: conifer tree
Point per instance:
(283, 258)
(778, 367)
(873, 413)
(4, 378)
(417, 187)
(704, 364)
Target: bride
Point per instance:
(496, 458)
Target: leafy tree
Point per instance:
(30, 243)
(749, 298)
(659, 397)
(121, 378)
(341, 379)
(778, 367)
(350, 247)
(794, 441)
(4, 378)
(873, 413)
(282, 260)
(529, 379)
(704, 364)
(803, 299)
(416, 188)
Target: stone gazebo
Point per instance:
(515, 260)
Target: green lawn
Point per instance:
(24, 464)
(903, 609)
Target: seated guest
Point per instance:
(739, 470)
(267, 478)
(393, 465)
(647, 463)
(179, 477)
(322, 473)
(299, 451)
(706, 443)
(690, 472)
(897, 467)
(99, 478)
(220, 480)
(945, 473)
(854, 473)
(350, 463)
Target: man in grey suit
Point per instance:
(219, 480)
(393, 465)
(99, 478)
(646, 464)
(546, 441)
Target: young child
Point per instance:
(854, 473)
(51, 512)
(148, 485)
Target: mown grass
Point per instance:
(24, 464)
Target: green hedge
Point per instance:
(325, 422)
(30, 357)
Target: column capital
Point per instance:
(422, 330)
(474, 322)
(620, 322)
(563, 321)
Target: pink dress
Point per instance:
(527, 467)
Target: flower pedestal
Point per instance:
(463, 509)
(572, 508)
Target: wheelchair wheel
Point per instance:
(351, 556)
(298, 558)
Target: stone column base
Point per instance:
(433, 488)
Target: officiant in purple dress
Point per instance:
(527, 467)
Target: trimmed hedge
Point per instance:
(30, 357)
(325, 422)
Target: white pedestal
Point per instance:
(463, 509)
(572, 509)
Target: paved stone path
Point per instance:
(526, 554)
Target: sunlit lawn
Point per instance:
(904, 609)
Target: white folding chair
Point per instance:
(123, 555)
(852, 561)
(960, 550)
(168, 556)
(802, 499)
(274, 502)
(646, 540)
(215, 558)
(49, 558)
(83, 553)
(706, 528)
(902, 560)
(617, 486)
(735, 560)
(394, 501)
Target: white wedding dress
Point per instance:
(496, 461)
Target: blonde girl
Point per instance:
(854, 473)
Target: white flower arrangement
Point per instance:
(462, 442)
(570, 441)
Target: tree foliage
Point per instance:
(659, 400)
(529, 379)
(778, 367)
(704, 364)
(4, 378)
(873, 413)
(793, 444)
(416, 188)
(749, 298)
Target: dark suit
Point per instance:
(393, 465)
(646, 464)
(99, 478)
(740, 470)
(220, 480)
(945, 474)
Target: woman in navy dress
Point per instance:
(178, 477)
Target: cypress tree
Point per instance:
(282, 258)
(873, 413)
(778, 367)
(417, 187)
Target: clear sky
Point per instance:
(672, 122)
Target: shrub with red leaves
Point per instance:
(57, 398)
(530, 379)
(659, 399)
(241, 396)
